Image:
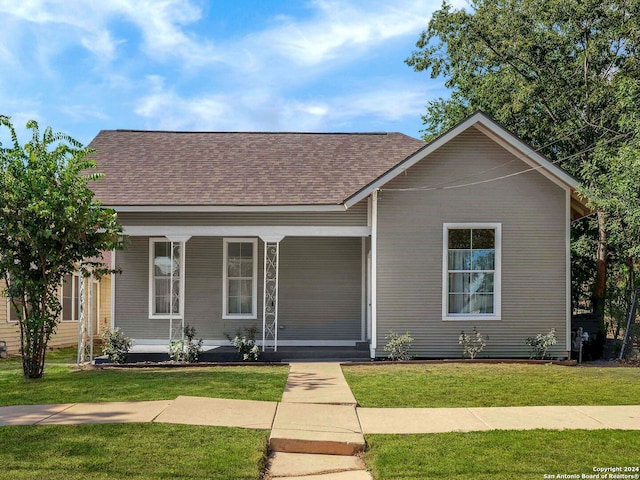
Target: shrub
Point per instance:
(186, 350)
(398, 346)
(472, 344)
(245, 344)
(539, 344)
(115, 345)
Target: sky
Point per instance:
(81, 66)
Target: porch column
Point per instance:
(176, 331)
(270, 293)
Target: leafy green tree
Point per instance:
(552, 71)
(50, 225)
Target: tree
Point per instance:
(50, 226)
(551, 71)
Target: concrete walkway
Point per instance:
(317, 428)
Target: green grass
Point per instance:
(496, 385)
(131, 451)
(518, 455)
(63, 382)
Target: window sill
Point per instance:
(239, 317)
(165, 317)
(464, 318)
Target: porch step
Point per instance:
(314, 428)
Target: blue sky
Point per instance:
(308, 65)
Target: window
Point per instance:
(471, 271)
(70, 298)
(12, 314)
(240, 278)
(163, 265)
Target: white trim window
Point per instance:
(69, 296)
(160, 273)
(471, 280)
(240, 278)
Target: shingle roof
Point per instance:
(218, 168)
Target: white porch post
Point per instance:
(374, 272)
(84, 317)
(82, 327)
(270, 291)
(181, 240)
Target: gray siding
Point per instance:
(532, 211)
(355, 216)
(320, 287)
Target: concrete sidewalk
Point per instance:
(326, 418)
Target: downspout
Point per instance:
(374, 273)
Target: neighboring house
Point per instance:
(67, 330)
(359, 234)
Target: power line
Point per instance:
(442, 186)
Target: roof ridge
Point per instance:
(250, 132)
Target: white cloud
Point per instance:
(160, 22)
(339, 26)
(261, 110)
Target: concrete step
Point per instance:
(316, 429)
(284, 466)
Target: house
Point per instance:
(336, 239)
(66, 333)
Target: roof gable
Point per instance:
(494, 131)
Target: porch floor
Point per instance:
(160, 353)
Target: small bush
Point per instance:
(539, 344)
(245, 344)
(115, 345)
(398, 346)
(472, 344)
(186, 350)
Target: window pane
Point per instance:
(458, 303)
(459, 238)
(161, 249)
(247, 287)
(245, 306)
(234, 304)
(247, 250)
(233, 267)
(459, 259)
(13, 314)
(483, 259)
(459, 282)
(246, 268)
(481, 303)
(233, 249)
(234, 288)
(483, 238)
(481, 283)
(162, 295)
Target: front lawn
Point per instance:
(64, 382)
(503, 454)
(495, 385)
(131, 451)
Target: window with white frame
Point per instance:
(166, 278)
(240, 278)
(471, 271)
(69, 296)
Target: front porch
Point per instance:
(304, 289)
